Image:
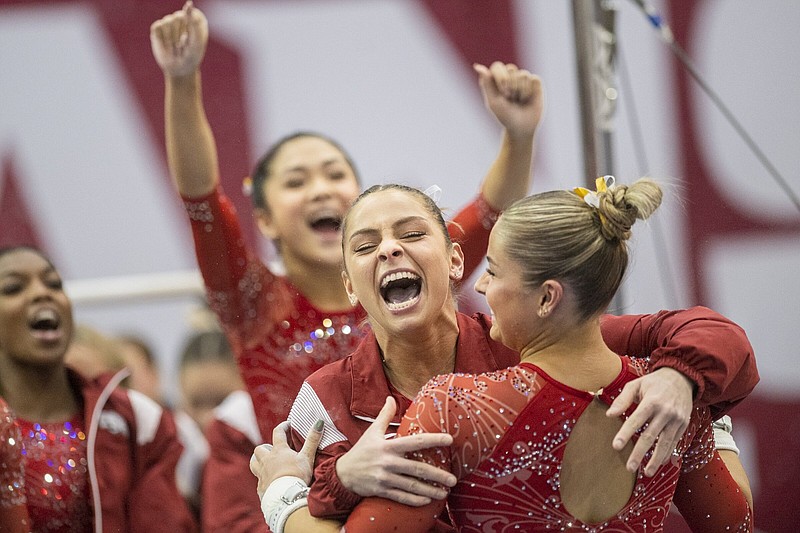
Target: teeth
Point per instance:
(401, 305)
(46, 314)
(397, 275)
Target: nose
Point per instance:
(40, 289)
(320, 187)
(481, 282)
(389, 248)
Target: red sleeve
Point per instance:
(470, 228)
(710, 500)
(13, 510)
(154, 491)
(229, 491)
(703, 345)
(231, 270)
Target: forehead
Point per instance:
(305, 152)
(23, 261)
(385, 208)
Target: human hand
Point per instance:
(514, 96)
(375, 466)
(179, 41)
(665, 405)
(271, 461)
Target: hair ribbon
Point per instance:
(590, 197)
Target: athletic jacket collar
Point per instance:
(370, 386)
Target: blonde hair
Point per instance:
(557, 235)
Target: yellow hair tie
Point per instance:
(590, 197)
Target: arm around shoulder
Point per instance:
(706, 347)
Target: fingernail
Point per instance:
(319, 424)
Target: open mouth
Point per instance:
(400, 290)
(326, 223)
(45, 323)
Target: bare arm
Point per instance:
(179, 43)
(516, 99)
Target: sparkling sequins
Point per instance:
(510, 473)
(57, 479)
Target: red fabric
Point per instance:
(510, 431)
(357, 386)
(136, 481)
(352, 392)
(230, 501)
(13, 510)
(710, 349)
(56, 475)
(279, 337)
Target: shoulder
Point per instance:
(119, 406)
(237, 412)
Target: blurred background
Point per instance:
(83, 168)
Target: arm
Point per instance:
(709, 499)
(270, 463)
(515, 97)
(694, 350)
(179, 43)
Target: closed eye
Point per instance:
(362, 248)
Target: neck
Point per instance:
(43, 394)
(322, 285)
(575, 355)
(415, 355)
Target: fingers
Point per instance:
(422, 441)
(508, 81)
(410, 491)
(279, 434)
(381, 423)
(313, 439)
(622, 402)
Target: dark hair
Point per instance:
(25, 247)
(557, 235)
(423, 198)
(262, 170)
(207, 346)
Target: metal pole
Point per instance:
(595, 45)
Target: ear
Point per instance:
(552, 293)
(348, 287)
(456, 262)
(265, 223)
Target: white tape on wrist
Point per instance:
(283, 496)
(723, 440)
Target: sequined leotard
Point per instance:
(510, 431)
(279, 337)
(13, 504)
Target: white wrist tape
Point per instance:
(283, 496)
(723, 440)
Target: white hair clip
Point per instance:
(434, 192)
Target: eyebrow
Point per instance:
(400, 222)
(326, 163)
